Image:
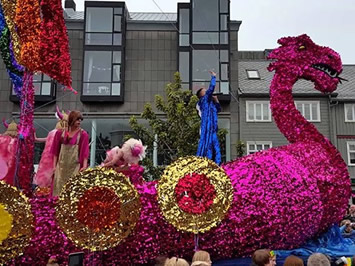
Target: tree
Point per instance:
(177, 130)
(240, 147)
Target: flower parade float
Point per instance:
(278, 198)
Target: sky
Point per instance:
(328, 22)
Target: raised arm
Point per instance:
(210, 90)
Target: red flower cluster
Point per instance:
(54, 43)
(194, 193)
(99, 208)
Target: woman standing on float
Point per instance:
(70, 150)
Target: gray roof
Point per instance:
(70, 14)
(346, 90)
(143, 16)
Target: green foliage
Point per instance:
(240, 147)
(177, 129)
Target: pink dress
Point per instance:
(45, 170)
(83, 144)
(8, 147)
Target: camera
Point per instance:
(76, 259)
(341, 261)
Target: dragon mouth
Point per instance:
(331, 72)
(326, 69)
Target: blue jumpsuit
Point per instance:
(209, 145)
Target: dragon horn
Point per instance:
(59, 113)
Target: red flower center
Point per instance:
(99, 208)
(194, 193)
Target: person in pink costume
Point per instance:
(8, 145)
(45, 172)
(70, 150)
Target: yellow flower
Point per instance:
(5, 223)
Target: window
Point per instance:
(351, 153)
(349, 112)
(223, 56)
(210, 20)
(258, 111)
(223, 6)
(42, 84)
(184, 27)
(102, 73)
(205, 37)
(44, 88)
(310, 110)
(207, 48)
(206, 60)
(255, 146)
(203, 62)
(253, 74)
(205, 15)
(104, 52)
(103, 26)
(184, 67)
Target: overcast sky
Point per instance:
(328, 22)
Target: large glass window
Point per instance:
(210, 60)
(103, 26)
(102, 73)
(99, 19)
(104, 51)
(209, 43)
(204, 61)
(205, 15)
(210, 22)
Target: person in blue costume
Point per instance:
(208, 108)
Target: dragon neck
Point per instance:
(288, 119)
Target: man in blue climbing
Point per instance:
(208, 107)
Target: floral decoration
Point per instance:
(99, 208)
(191, 218)
(15, 213)
(194, 193)
(115, 189)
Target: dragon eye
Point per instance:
(302, 47)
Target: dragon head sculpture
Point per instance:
(299, 57)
